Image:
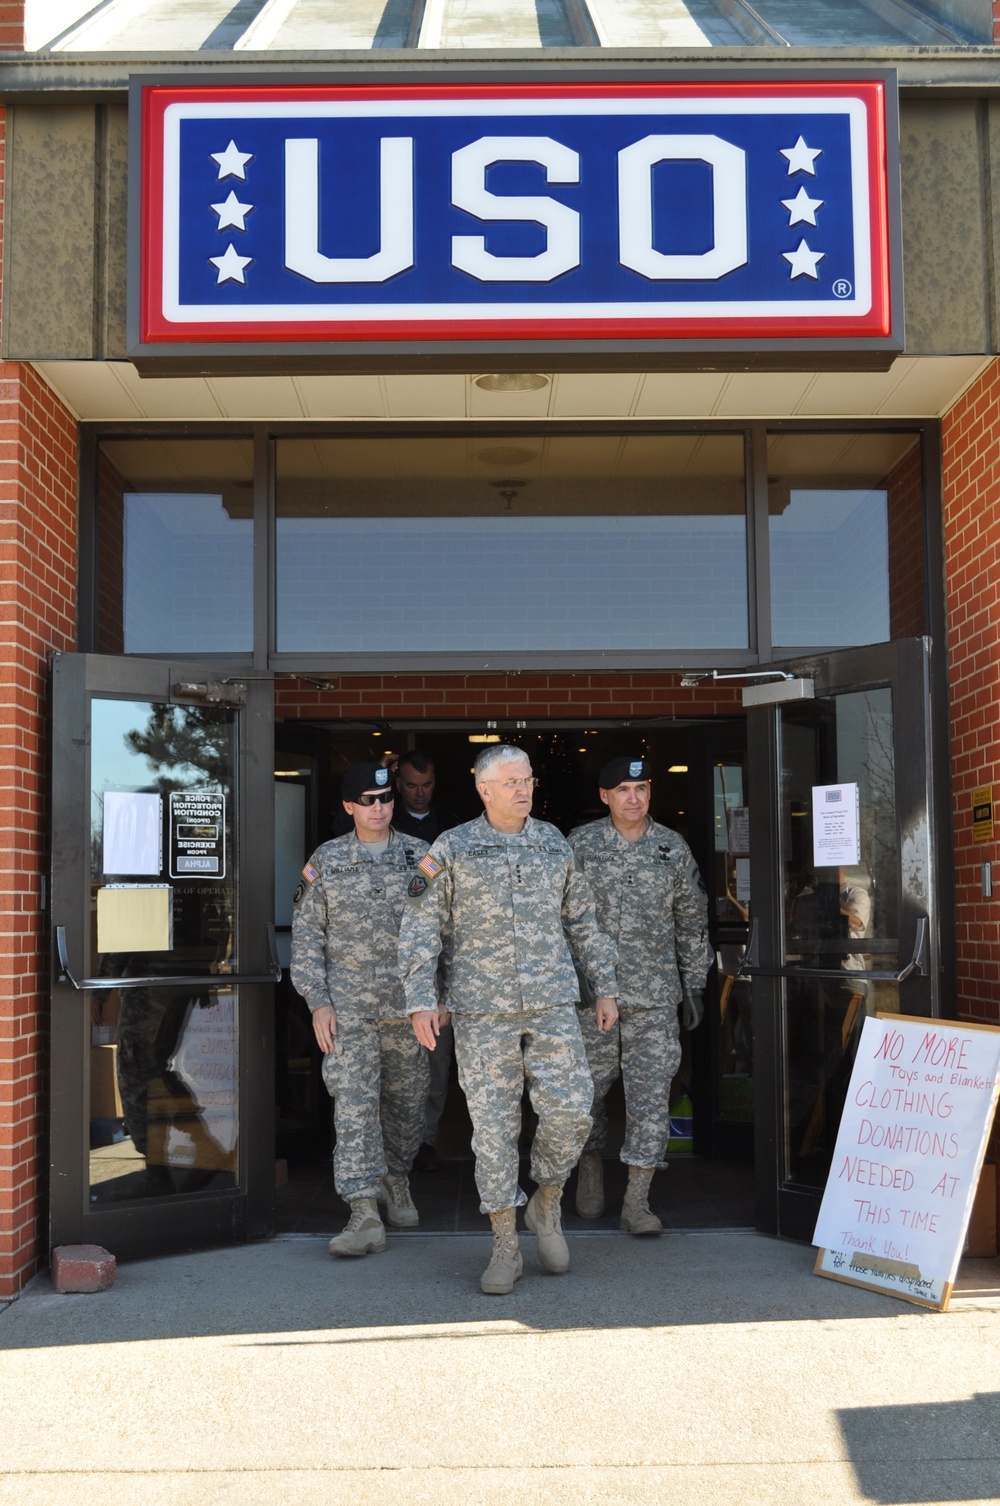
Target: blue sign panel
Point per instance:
(622, 211)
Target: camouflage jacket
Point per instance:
(509, 916)
(346, 925)
(652, 903)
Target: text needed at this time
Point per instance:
(908, 1154)
(515, 211)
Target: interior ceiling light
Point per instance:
(511, 381)
(678, 768)
(484, 737)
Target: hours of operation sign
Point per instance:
(641, 210)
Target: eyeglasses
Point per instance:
(517, 784)
(384, 797)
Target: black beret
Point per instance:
(616, 770)
(364, 776)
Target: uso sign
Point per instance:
(604, 211)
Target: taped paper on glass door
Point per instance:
(135, 918)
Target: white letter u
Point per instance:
(395, 253)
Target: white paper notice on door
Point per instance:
(133, 833)
(836, 832)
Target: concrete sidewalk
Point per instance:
(707, 1368)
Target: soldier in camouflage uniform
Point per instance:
(501, 903)
(344, 934)
(651, 901)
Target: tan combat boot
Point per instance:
(636, 1215)
(590, 1186)
(505, 1265)
(363, 1234)
(542, 1218)
(399, 1209)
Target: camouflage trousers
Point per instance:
(377, 1077)
(647, 1044)
(497, 1054)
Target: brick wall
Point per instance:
(11, 25)
(971, 461)
(38, 470)
(971, 452)
(905, 488)
(501, 697)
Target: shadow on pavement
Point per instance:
(291, 1288)
(933, 1453)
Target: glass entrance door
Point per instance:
(844, 897)
(163, 956)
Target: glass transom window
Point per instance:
(557, 542)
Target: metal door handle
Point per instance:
(749, 967)
(64, 973)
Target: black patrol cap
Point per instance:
(364, 776)
(617, 770)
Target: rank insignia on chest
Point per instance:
(430, 866)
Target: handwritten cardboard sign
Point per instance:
(909, 1151)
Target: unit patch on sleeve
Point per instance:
(416, 886)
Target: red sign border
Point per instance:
(156, 329)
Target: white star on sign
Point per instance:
(232, 212)
(801, 210)
(231, 265)
(232, 161)
(802, 261)
(800, 157)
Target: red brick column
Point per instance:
(996, 21)
(38, 484)
(971, 458)
(971, 453)
(11, 25)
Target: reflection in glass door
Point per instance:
(728, 882)
(162, 893)
(841, 918)
(164, 1063)
(845, 921)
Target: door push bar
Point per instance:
(749, 964)
(201, 980)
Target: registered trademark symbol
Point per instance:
(842, 288)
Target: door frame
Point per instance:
(923, 812)
(153, 1226)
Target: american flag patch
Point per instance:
(430, 866)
